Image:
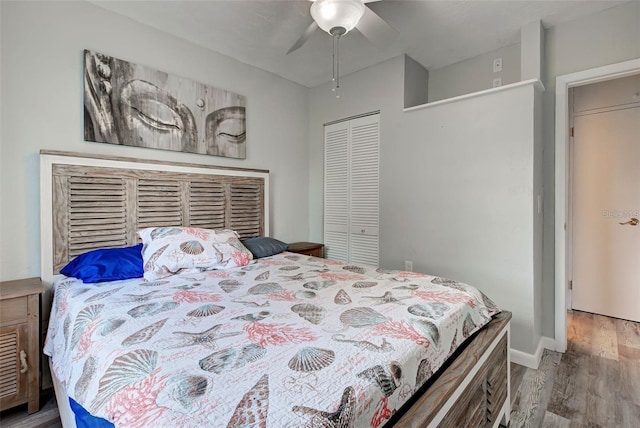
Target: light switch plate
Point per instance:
(497, 65)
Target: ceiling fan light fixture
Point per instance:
(330, 14)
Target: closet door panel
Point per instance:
(364, 190)
(336, 246)
(364, 249)
(336, 191)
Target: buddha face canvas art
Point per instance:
(134, 105)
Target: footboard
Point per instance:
(474, 389)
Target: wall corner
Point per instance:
(416, 83)
(531, 51)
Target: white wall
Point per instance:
(531, 51)
(604, 38)
(456, 200)
(474, 74)
(466, 193)
(42, 108)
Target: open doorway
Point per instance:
(604, 201)
(563, 255)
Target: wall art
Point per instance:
(134, 105)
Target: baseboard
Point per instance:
(532, 361)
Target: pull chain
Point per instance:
(336, 32)
(337, 66)
(333, 78)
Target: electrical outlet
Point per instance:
(497, 65)
(408, 265)
(497, 82)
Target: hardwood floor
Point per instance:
(595, 384)
(47, 417)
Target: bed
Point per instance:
(284, 340)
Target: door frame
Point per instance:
(562, 180)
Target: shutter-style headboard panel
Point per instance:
(93, 202)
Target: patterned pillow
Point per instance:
(170, 250)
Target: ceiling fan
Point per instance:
(338, 17)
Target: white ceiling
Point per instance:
(434, 33)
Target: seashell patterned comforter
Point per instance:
(287, 341)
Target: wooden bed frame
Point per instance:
(93, 201)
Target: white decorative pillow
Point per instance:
(170, 250)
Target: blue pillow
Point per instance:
(106, 264)
(264, 246)
(85, 419)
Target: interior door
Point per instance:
(606, 208)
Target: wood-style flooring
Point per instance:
(595, 384)
(47, 417)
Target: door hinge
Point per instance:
(571, 285)
(572, 131)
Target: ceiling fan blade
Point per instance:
(376, 29)
(301, 41)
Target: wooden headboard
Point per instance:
(91, 201)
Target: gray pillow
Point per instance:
(264, 246)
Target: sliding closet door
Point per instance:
(351, 213)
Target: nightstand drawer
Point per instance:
(313, 253)
(20, 343)
(14, 310)
(307, 248)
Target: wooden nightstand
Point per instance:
(307, 248)
(20, 343)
